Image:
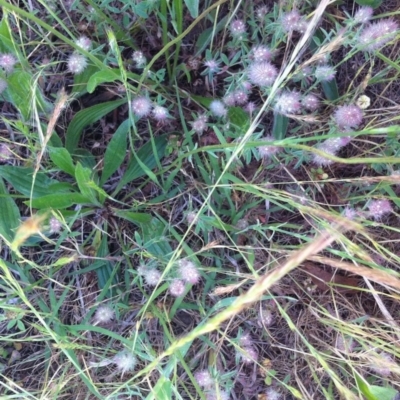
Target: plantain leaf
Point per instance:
(62, 159)
(83, 178)
(87, 117)
(58, 201)
(280, 126)
(9, 213)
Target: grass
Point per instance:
(253, 255)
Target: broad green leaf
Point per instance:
(239, 117)
(62, 159)
(83, 177)
(108, 75)
(370, 3)
(383, 393)
(21, 179)
(116, 151)
(280, 126)
(134, 217)
(9, 213)
(87, 117)
(193, 7)
(81, 80)
(330, 89)
(58, 201)
(364, 387)
(147, 157)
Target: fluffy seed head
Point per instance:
(125, 361)
(200, 124)
(84, 43)
(288, 103)
(272, 394)
(267, 151)
(152, 276)
(325, 73)
(55, 225)
(376, 35)
(141, 106)
(363, 15)
(139, 59)
(238, 28)
(191, 217)
(7, 62)
(349, 116)
(76, 63)
(203, 378)
(261, 53)
(104, 314)
(177, 287)
(3, 85)
(218, 109)
(379, 208)
(212, 66)
(249, 355)
(290, 20)
(188, 272)
(262, 73)
(310, 102)
(160, 113)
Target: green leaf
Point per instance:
(87, 117)
(21, 179)
(147, 157)
(81, 80)
(239, 117)
(193, 7)
(330, 89)
(58, 201)
(383, 393)
(280, 126)
(364, 387)
(62, 159)
(83, 177)
(370, 3)
(116, 151)
(108, 75)
(134, 217)
(9, 213)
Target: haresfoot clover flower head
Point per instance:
(261, 53)
(268, 151)
(199, 125)
(324, 73)
(203, 378)
(379, 208)
(177, 287)
(218, 109)
(7, 62)
(262, 73)
(84, 43)
(349, 116)
(55, 225)
(3, 85)
(104, 314)
(76, 63)
(249, 354)
(141, 106)
(188, 272)
(160, 113)
(288, 103)
(139, 59)
(152, 276)
(212, 66)
(310, 102)
(238, 28)
(125, 361)
(293, 21)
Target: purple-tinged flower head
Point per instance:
(220, 395)
(301, 26)
(250, 107)
(204, 378)
(310, 102)
(349, 116)
(268, 151)
(55, 225)
(177, 288)
(76, 63)
(229, 99)
(152, 276)
(141, 106)
(139, 59)
(249, 355)
(160, 113)
(325, 73)
(363, 15)
(379, 208)
(218, 109)
(349, 213)
(290, 20)
(262, 73)
(267, 317)
(246, 85)
(3, 85)
(246, 340)
(261, 53)
(84, 43)
(188, 272)
(273, 394)
(104, 314)
(261, 12)
(321, 160)
(125, 361)
(199, 125)
(212, 66)
(376, 35)
(238, 28)
(240, 96)
(288, 103)
(7, 62)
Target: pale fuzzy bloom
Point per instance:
(290, 20)
(262, 73)
(350, 213)
(55, 225)
(5, 153)
(3, 85)
(188, 272)
(177, 287)
(363, 15)
(246, 85)
(310, 102)
(250, 107)
(191, 217)
(272, 394)
(203, 378)
(325, 73)
(246, 340)
(321, 160)
(240, 96)
(220, 395)
(141, 106)
(379, 208)
(376, 35)
(125, 361)
(141, 269)
(7, 62)
(267, 317)
(330, 146)
(268, 151)
(212, 66)
(76, 63)
(363, 102)
(139, 59)
(218, 109)
(230, 100)
(301, 26)
(152, 277)
(261, 53)
(349, 116)
(261, 12)
(238, 28)
(242, 224)
(249, 355)
(200, 124)
(288, 103)
(305, 73)
(160, 113)
(84, 43)
(104, 314)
